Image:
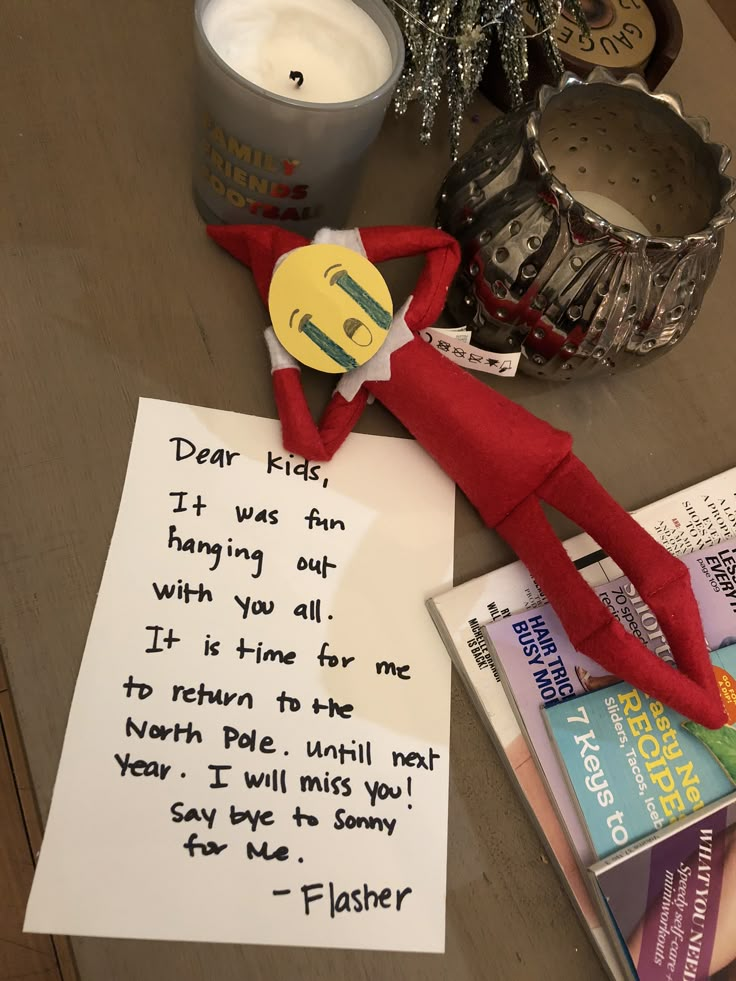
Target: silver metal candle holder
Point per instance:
(545, 274)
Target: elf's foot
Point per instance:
(584, 677)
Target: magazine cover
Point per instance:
(539, 666)
(690, 519)
(674, 901)
(637, 766)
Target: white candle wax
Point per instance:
(610, 210)
(339, 50)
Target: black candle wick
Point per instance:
(297, 77)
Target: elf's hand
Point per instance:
(299, 431)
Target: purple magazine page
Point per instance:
(674, 901)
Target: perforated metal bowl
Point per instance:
(545, 274)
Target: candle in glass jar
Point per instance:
(289, 94)
(327, 51)
(610, 210)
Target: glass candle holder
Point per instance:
(263, 157)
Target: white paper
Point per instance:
(114, 860)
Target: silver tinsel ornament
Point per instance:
(447, 46)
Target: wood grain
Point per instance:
(111, 290)
(21, 955)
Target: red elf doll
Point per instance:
(503, 458)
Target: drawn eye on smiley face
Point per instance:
(340, 309)
(323, 341)
(340, 277)
(354, 329)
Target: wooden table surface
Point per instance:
(110, 290)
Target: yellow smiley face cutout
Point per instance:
(330, 307)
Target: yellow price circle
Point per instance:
(330, 307)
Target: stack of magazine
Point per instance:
(635, 803)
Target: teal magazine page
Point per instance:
(673, 901)
(635, 765)
(539, 666)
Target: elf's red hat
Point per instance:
(504, 459)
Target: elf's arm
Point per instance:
(441, 258)
(299, 432)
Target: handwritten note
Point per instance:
(257, 749)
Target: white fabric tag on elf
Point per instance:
(455, 333)
(469, 356)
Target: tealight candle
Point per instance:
(610, 210)
(291, 94)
